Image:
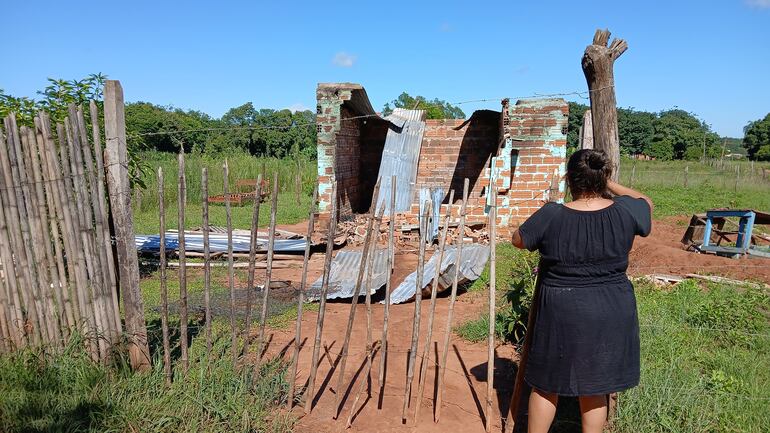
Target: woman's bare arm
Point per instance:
(516, 240)
(619, 189)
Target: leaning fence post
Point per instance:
(120, 206)
(181, 203)
(322, 300)
(269, 271)
(206, 257)
(230, 270)
(492, 293)
(389, 270)
(163, 285)
(452, 299)
(301, 300)
(417, 308)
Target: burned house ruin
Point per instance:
(521, 148)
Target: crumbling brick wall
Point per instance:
(522, 147)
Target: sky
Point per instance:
(709, 57)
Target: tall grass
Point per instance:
(241, 166)
(66, 392)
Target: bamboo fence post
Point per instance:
(76, 220)
(301, 300)
(206, 257)
(369, 344)
(94, 226)
(322, 301)
(230, 270)
(23, 250)
(42, 265)
(45, 212)
(386, 312)
(86, 228)
(252, 260)
(432, 312)
(492, 294)
(103, 209)
(452, 299)
(181, 202)
(97, 229)
(269, 270)
(62, 285)
(63, 218)
(417, 301)
(354, 302)
(163, 285)
(9, 230)
(116, 161)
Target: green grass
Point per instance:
(67, 392)
(707, 187)
(242, 166)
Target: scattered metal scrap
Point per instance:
(474, 258)
(342, 276)
(709, 232)
(217, 243)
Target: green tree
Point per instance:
(680, 135)
(434, 109)
(756, 139)
(635, 131)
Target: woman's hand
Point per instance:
(619, 189)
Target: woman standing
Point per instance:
(585, 340)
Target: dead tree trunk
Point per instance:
(598, 61)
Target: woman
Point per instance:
(585, 340)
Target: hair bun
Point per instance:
(596, 161)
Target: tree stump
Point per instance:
(598, 61)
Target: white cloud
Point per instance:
(344, 60)
(759, 4)
(297, 107)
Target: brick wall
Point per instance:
(523, 147)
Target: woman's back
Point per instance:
(581, 248)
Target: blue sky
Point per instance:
(711, 57)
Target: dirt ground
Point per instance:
(463, 408)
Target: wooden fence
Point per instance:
(59, 268)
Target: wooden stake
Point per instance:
(103, 209)
(369, 344)
(417, 301)
(163, 285)
(120, 205)
(452, 299)
(301, 301)
(597, 63)
(298, 183)
(686, 172)
(386, 313)
(432, 312)
(252, 258)
(9, 224)
(206, 256)
(230, 270)
(354, 302)
(181, 202)
(322, 301)
(492, 294)
(269, 271)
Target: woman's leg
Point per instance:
(593, 412)
(542, 408)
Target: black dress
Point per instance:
(586, 335)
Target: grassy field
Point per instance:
(241, 166)
(707, 187)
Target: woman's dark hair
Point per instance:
(587, 173)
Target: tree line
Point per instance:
(666, 135)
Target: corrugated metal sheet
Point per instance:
(435, 195)
(400, 156)
(474, 258)
(344, 273)
(217, 243)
